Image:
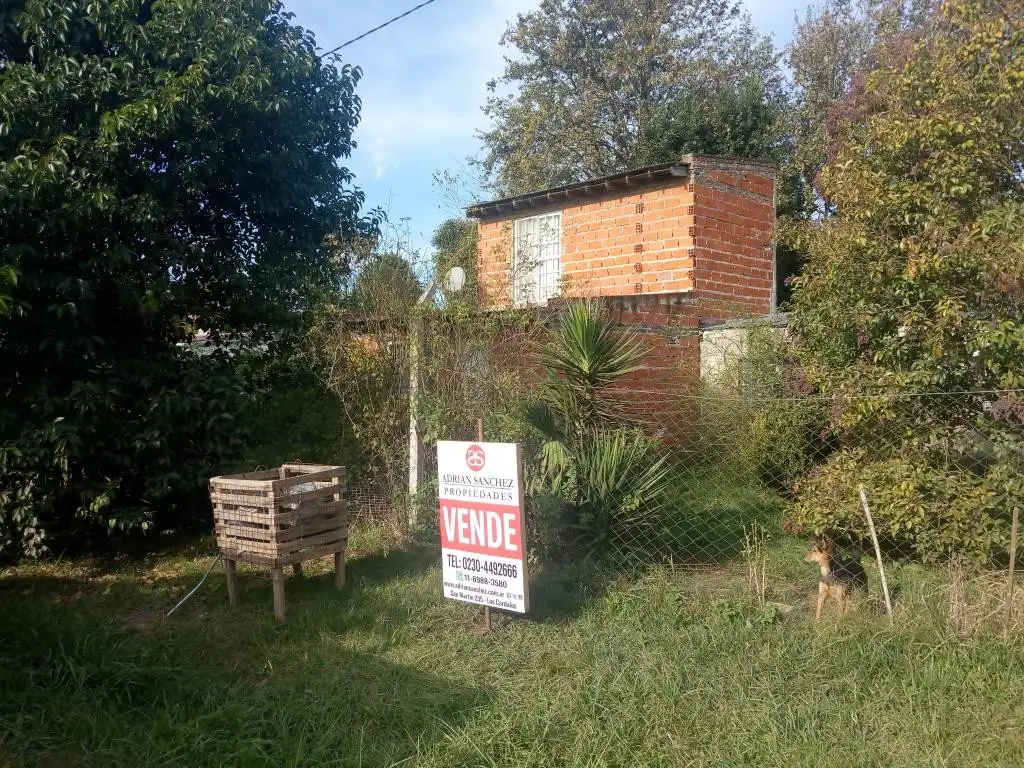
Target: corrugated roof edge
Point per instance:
(602, 184)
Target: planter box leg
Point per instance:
(229, 571)
(297, 569)
(339, 569)
(277, 575)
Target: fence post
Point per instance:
(480, 439)
(878, 550)
(1008, 615)
(415, 333)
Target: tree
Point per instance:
(164, 167)
(916, 284)
(454, 244)
(592, 77)
(745, 118)
(386, 283)
(831, 45)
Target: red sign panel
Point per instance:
(485, 529)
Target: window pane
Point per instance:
(537, 269)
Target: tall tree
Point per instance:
(164, 167)
(915, 285)
(831, 45)
(591, 77)
(916, 282)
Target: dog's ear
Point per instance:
(824, 543)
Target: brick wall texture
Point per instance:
(709, 234)
(663, 257)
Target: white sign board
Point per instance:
(483, 532)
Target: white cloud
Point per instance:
(383, 162)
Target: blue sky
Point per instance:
(424, 81)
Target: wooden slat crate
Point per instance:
(280, 517)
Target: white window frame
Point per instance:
(536, 280)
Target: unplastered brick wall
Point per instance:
(734, 220)
(615, 245)
(709, 232)
(668, 327)
(664, 257)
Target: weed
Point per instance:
(666, 668)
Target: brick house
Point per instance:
(669, 248)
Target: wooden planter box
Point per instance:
(280, 517)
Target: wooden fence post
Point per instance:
(878, 550)
(1008, 615)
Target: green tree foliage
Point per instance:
(743, 118)
(592, 77)
(8, 279)
(387, 283)
(164, 167)
(917, 283)
(454, 244)
(832, 44)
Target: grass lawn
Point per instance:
(663, 669)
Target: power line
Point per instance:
(376, 29)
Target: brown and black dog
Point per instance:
(839, 576)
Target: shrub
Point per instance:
(919, 509)
(758, 415)
(110, 455)
(618, 483)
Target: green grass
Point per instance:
(704, 515)
(665, 669)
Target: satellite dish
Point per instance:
(455, 280)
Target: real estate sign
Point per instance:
(483, 533)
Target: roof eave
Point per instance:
(547, 197)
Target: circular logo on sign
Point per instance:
(475, 458)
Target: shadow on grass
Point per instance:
(379, 567)
(214, 687)
(559, 592)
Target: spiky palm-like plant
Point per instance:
(607, 470)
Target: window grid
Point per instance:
(538, 258)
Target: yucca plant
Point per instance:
(606, 470)
(621, 476)
(584, 356)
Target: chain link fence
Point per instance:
(751, 464)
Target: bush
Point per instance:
(758, 415)
(919, 509)
(617, 489)
(128, 449)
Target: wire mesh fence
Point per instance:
(943, 471)
(716, 453)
